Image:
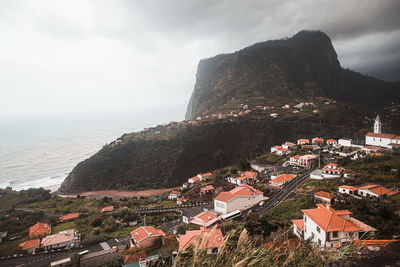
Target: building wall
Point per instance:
(344, 142)
(220, 206)
(346, 191)
(367, 193)
(376, 141)
(311, 232)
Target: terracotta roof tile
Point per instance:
(30, 244)
(324, 195)
(39, 229)
(142, 233)
(213, 236)
(69, 216)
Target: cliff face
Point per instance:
(169, 158)
(279, 72)
(301, 68)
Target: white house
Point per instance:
(243, 178)
(275, 148)
(332, 170)
(331, 142)
(282, 179)
(239, 198)
(347, 189)
(294, 160)
(377, 138)
(374, 191)
(282, 151)
(65, 238)
(329, 228)
(174, 195)
(345, 142)
(194, 180)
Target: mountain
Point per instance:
(273, 73)
(282, 71)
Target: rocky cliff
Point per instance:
(287, 71)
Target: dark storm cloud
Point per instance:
(73, 55)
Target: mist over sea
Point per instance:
(41, 151)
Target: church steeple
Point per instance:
(377, 125)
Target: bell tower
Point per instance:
(377, 125)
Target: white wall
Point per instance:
(243, 202)
(311, 232)
(376, 141)
(220, 206)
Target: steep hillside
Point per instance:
(167, 157)
(273, 73)
(282, 72)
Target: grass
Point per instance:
(312, 185)
(63, 227)
(290, 209)
(9, 248)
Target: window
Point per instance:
(334, 234)
(318, 229)
(319, 242)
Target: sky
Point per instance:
(76, 57)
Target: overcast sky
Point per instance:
(68, 57)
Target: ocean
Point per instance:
(41, 152)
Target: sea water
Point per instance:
(41, 151)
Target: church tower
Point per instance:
(377, 125)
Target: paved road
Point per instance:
(40, 260)
(282, 194)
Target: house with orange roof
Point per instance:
(332, 170)
(275, 148)
(239, 198)
(66, 238)
(281, 180)
(329, 228)
(107, 209)
(181, 200)
(30, 246)
(247, 177)
(194, 179)
(324, 197)
(370, 149)
(331, 142)
(288, 145)
(303, 141)
(69, 217)
(39, 230)
(145, 237)
(134, 258)
(209, 239)
(317, 140)
(375, 191)
(307, 161)
(205, 175)
(205, 218)
(174, 195)
(347, 189)
(209, 189)
(294, 160)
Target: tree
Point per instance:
(244, 164)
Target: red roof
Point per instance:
(352, 188)
(381, 135)
(33, 243)
(182, 199)
(324, 195)
(379, 190)
(303, 141)
(282, 178)
(135, 257)
(142, 233)
(206, 174)
(329, 220)
(211, 238)
(317, 139)
(109, 208)
(331, 141)
(39, 229)
(174, 193)
(69, 216)
(299, 224)
(243, 190)
(195, 178)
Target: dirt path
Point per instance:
(115, 193)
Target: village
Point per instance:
(305, 186)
